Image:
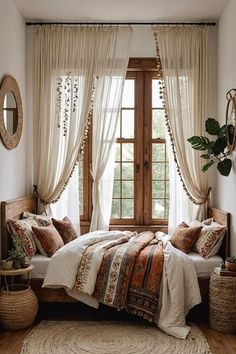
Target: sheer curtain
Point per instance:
(67, 60)
(184, 55)
(107, 103)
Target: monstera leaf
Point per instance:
(199, 142)
(217, 151)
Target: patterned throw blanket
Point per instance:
(130, 275)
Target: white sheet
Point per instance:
(204, 267)
(40, 264)
(179, 289)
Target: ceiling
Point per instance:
(121, 10)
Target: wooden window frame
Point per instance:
(143, 70)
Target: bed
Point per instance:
(13, 209)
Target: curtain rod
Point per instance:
(122, 23)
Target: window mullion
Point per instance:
(147, 146)
(139, 158)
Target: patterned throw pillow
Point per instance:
(210, 239)
(184, 237)
(41, 220)
(65, 229)
(48, 239)
(22, 230)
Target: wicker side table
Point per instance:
(222, 303)
(18, 303)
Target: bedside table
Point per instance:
(18, 303)
(222, 303)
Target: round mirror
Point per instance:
(231, 118)
(11, 115)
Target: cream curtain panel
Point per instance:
(184, 56)
(67, 61)
(107, 104)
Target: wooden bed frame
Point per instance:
(14, 208)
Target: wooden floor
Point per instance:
(11, 342)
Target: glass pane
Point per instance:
(117, 152)
(156, 100)
(128, 94)
(128, 170)
(127, 208)
(128, 123)
(127, 189)
(167, 208)
(81, 206)
(167, 189)
(158, 170)
(167, 171)
(115, 211)
(158, 209)
(158, 189)
(158, 124)
(127, 152)
(116, 189)
(117, 171)
(158, 152)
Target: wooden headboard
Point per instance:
(222, 218)
(14, 208)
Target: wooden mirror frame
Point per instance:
(10, 84)
(231, 98)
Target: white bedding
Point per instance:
(204, 267)
(40, 264)
(179, 289)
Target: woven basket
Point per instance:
(222, 306)
(18, 307)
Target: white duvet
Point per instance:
(179, 288)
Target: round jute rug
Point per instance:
(73, 337)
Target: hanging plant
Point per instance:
(217, 150)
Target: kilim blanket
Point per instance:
(122, 265)
(144, 288)
(90, 263)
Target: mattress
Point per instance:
(204, 267)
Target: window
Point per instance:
(141, 181)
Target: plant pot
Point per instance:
(16, 264)
(230, 266)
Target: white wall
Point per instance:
(13, 163)
(224, 188)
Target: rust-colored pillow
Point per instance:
(65, 229)
(48, 239)
(184, 237)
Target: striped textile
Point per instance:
(125, 269)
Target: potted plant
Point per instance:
(230, 263)
(17, 253)
(217, 150)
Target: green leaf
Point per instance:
(223, 130)
(212, 126)
(207, 166)
(199, 142)
(219, 145)
(206, 156)
(224, 167)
